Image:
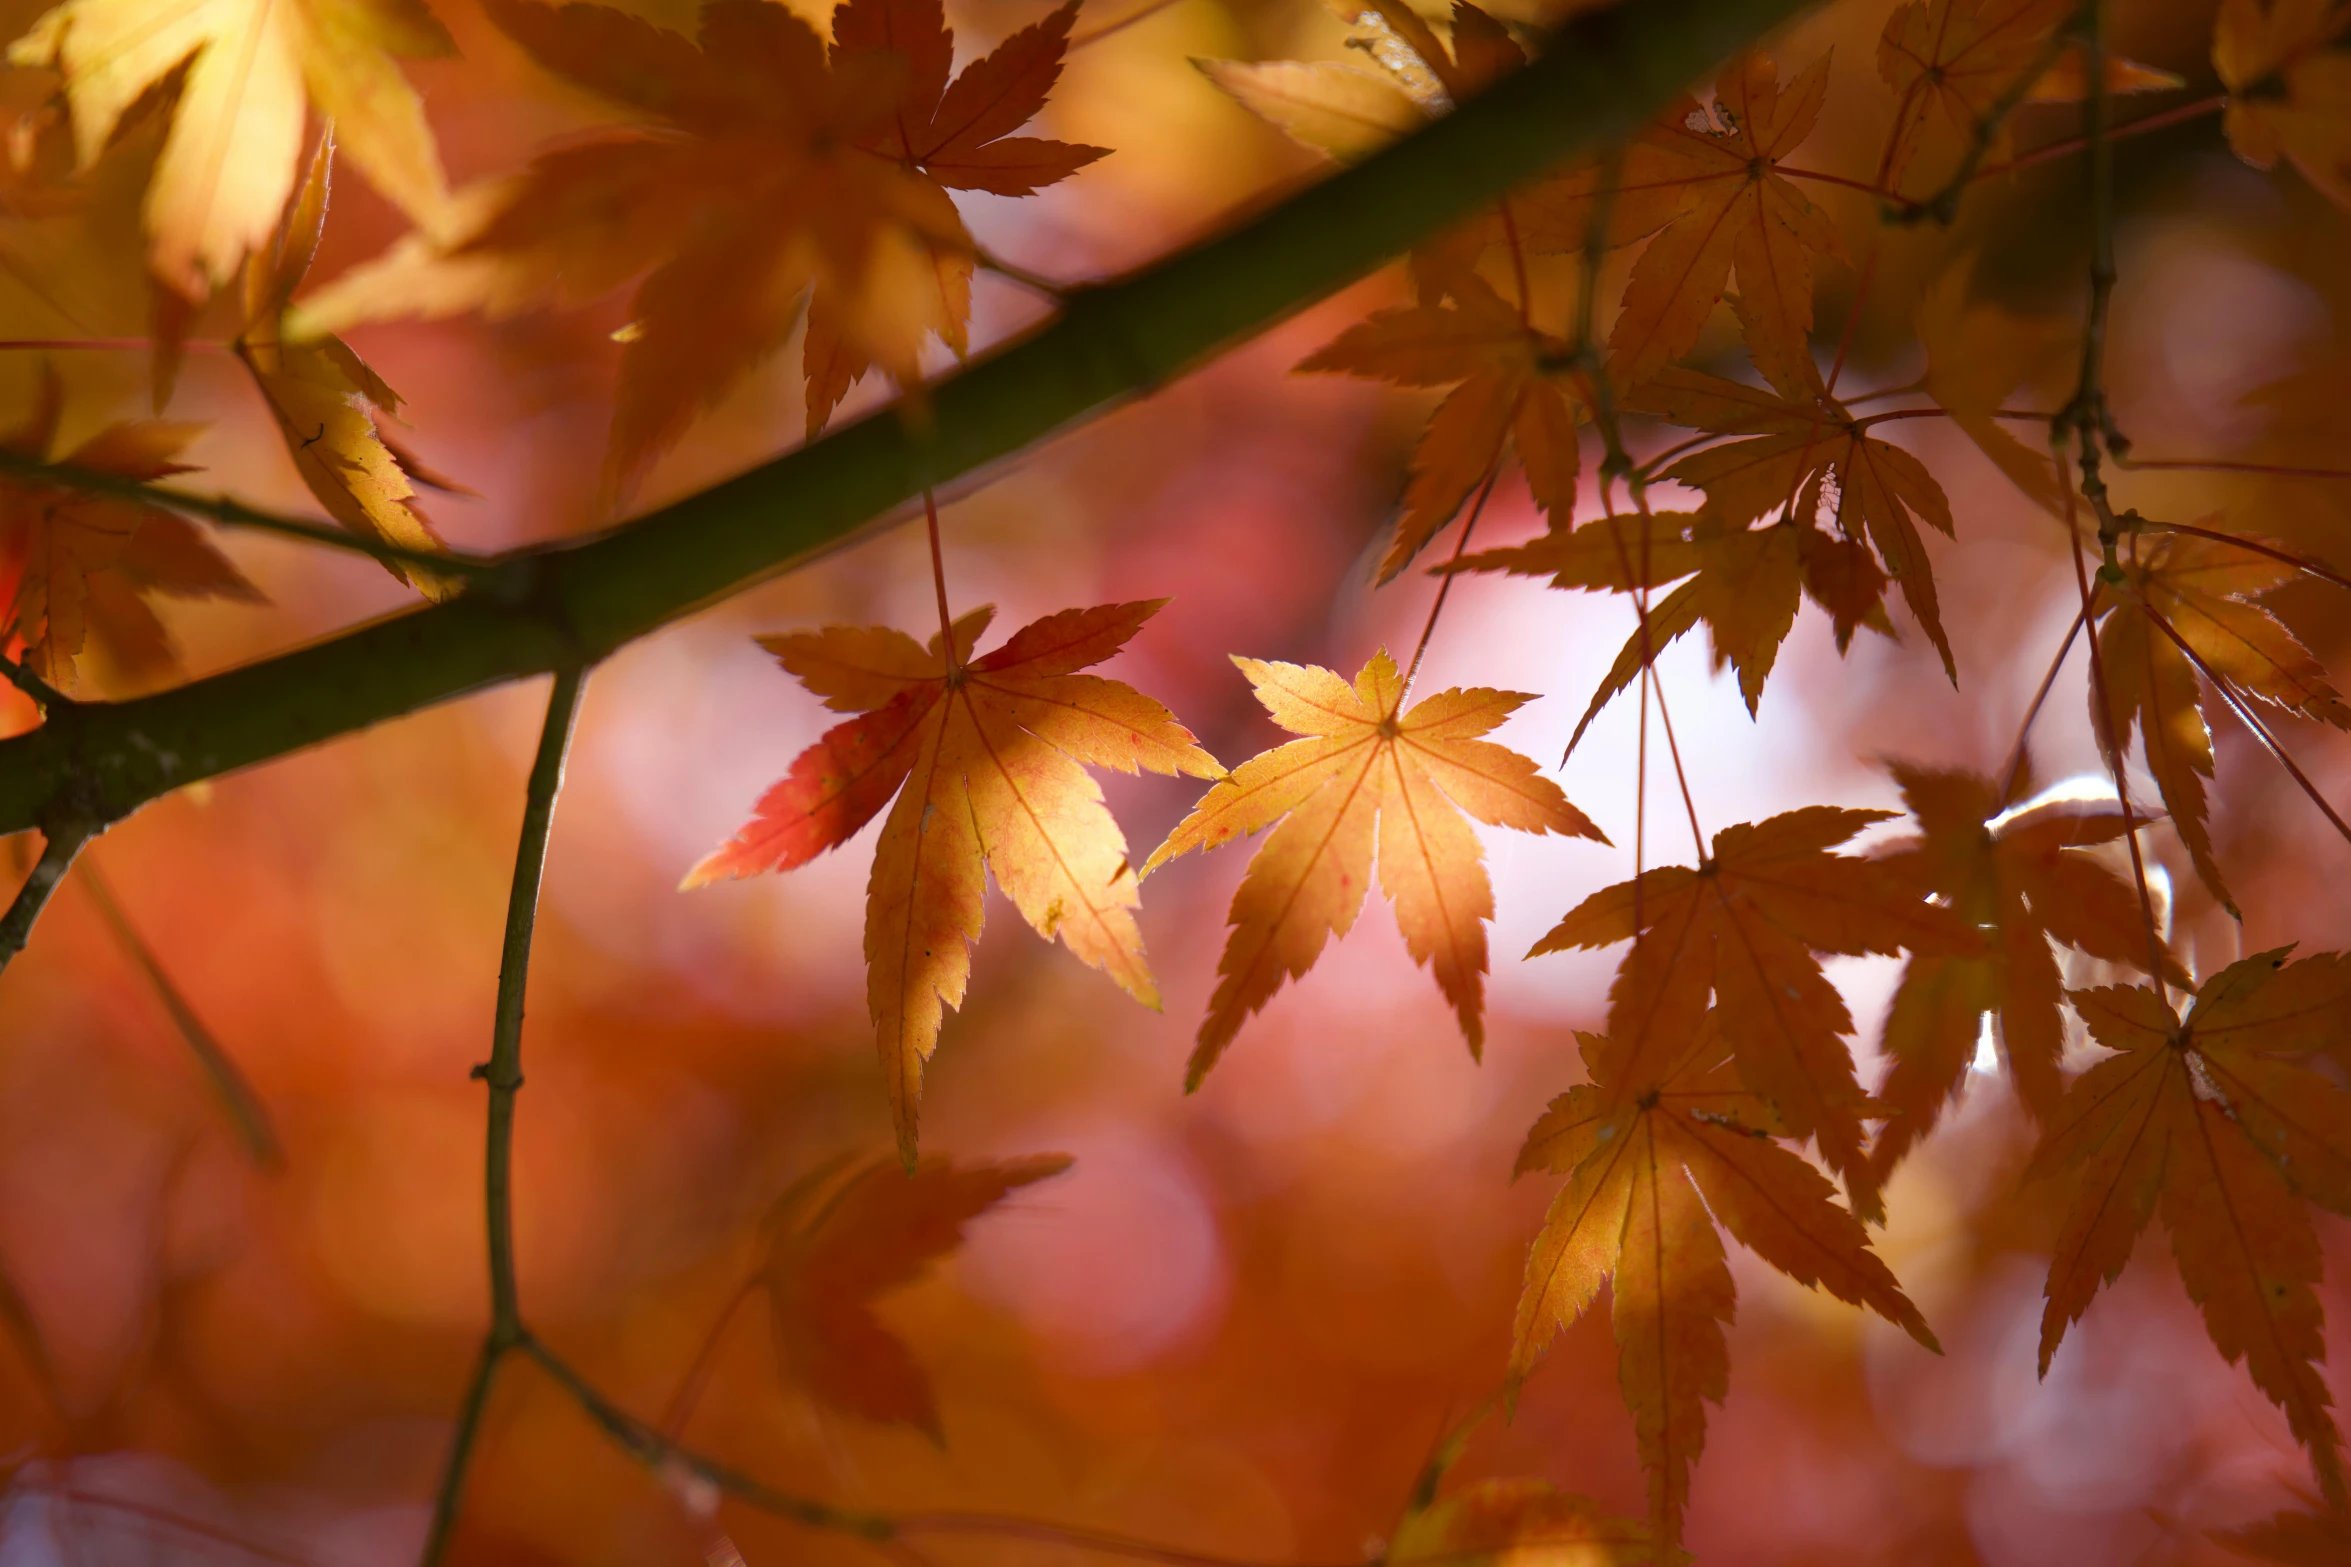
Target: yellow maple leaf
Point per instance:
(984, 758)
(325, 399)
(1369, 771)
(253, 70)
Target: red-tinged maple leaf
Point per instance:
(777, 174)
(2024, 880)
(1503, 394)
(1744, 928)
(1663, 1146)
(2185, 608)
(1743, 586)
(77, 569)
(1951, 62)
(1519, 1523)
(1741, 215)
(2208, 1120)
(827, 1261)
(2289, 85)
(1794, 440)
(324, 398)
(984, 756)
(1369, 771)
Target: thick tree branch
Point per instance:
(547, 608)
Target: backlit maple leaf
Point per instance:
(1951, 62)
(1741, 215)
(76, 569)
(1369, 771)
(827, 1260)
(1977, 356)
(1795, 439)
(1743, 586)
(325, 399)
(984, 758)
(2202, 590)
(777, 174)
(2024, 881)
(2289, 87)
(1502, 394)
(1743, 929)
(2207, 1119)
(1663, 1146)
(254, 68)
(1522, 1523)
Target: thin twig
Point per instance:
(245, 1109)
(2222, 465)
(219, 508)
(1014, 272)
(33, 685)
(1445, 586)
(2138, 127)
(503, 1073)
(2251, 720)
(63, 841)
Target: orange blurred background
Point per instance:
(1241, 1323)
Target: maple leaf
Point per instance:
(1369, 771)
(1744, 587)
(1744, 927)
(875, 1232)
(1502, 394)
(2202, 590)
(2289, 87)
(983, 756)
(1673, 1145)
(777, 174)
(1518, 1522)
(325, 399)
(77, 568)
(2023, 879)
(253, 68)
(2305, 1539)
(1741, 215)
(2207, 1120)
(1977, 355)
(1795, 439)
(1952, 62)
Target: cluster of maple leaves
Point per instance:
(762, 180)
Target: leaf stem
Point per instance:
(2251, 720)
(2138, 127)
(2102, 706)
(1445, 584)
(2024, 730)
(2217, 465)
(2300, 563)
(503, 1075)
(930, 517)
(1013, 272)
(245, 1110)
(235, 514)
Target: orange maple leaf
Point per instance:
(2183, 609)
(1795, 439)
(1953, 61)
(988, 752)
(1977, 355)
(1744, 928)
(1743, 586)
(1741, 215)
(2289, 87)
(779, 174)
(2023, 879)
(77, 568)
(1370, 770)
(2207, 1119)
(1490, 1523)
(1503, 393)
(877, 1231)
(1661, 1147)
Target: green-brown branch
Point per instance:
(547, 608)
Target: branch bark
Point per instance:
(561, 605)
